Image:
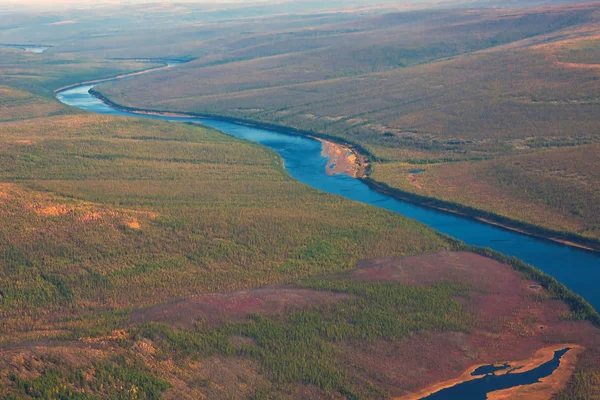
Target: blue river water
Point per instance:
(578, 269)
(477, 389)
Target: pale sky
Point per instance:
(61, 4)
(75, 2)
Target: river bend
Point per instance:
(578, 269)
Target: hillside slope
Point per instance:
(537, 92)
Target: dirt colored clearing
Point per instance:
(542, 390)
(414, 180)
(113, 336)
(5, 189)
(514, 319)
(340, 159)
(53, 210)
(89, 213)
(134, 224)
(84, 214)
(577, 65)
(216, 308)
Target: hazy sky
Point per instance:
(75, 2)
(44, 5)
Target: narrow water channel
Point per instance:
(477, 389)
(578, 269)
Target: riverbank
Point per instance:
(102, 80)
(565, 238)
(342, 160)
(362, 159)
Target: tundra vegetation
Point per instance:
(483, 92)
(144, 260)
(102, 215)
(105, 219)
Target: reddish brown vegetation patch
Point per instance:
(467, 268)
(217, 308)
(513, 321)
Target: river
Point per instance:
(32, 48)
(578, 269)
(478, 389)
